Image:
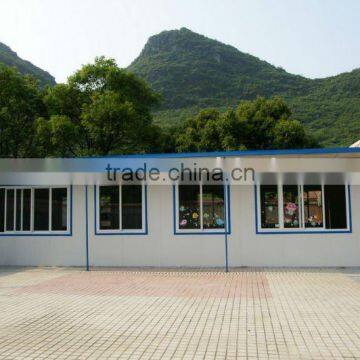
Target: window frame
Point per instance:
(32, 232)
(120, 231)
(201, 230)
(301, 229)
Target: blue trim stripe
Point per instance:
(317, 151)
(122, 233)
(49, 233)
(202, 232)
(280, 232)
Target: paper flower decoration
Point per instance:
(182, 208)
(219, 222)
(195, 215)
(291, 208)
(206, 215)
(183, 222)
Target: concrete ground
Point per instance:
(248, 313)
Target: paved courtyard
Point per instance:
(128, 314)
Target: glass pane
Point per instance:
(2, 209)
(10, 193)
(189, 206)
(291, 206)
(313, 212)
(131, 207)
(26, 209)
(269, 206)
(41, 209)
(213, 207)
(18, 209)
(59, 209)
(109, 207)
(335, 206)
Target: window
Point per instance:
(34, 210)
(189, 207)
(26, 209)
(23, 209)
(213, 206)
(41, 209)
(313, 209)
(335, 206)
(291, 206)
(131, 207)
(109, 207)
(59, 209)
(2, 209)
(201, 208)
(269, 206)
(9, 209)
(121, 208)
(303, 207)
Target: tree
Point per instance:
(258, 124)
(101, 110)
(290, 134)
(201, 133)
(258, 119)
(20, 104)
(231, 132)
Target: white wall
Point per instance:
(49, 250)
(162, 248)
(249, 249)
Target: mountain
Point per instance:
(192, 72)
(10, 58)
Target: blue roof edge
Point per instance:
(317, 151)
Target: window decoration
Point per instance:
(313, 208)
(201, 207)
(303, 207)
(269, 206)
(291, 206)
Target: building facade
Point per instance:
(300, 209)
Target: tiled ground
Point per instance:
(248, 313)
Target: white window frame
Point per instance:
(201, 229)
(32, 208)
(120, 230)
(301, 228)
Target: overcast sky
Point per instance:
(315, 38)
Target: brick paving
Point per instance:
(133, 314)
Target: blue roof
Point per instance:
(241, 153)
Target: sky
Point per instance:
(313, 38)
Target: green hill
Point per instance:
(10, 58)
(193, 72)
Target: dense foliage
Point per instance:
(256, 124)
(103, 110)
(193, 72)
(20, 104)
(10, 58)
